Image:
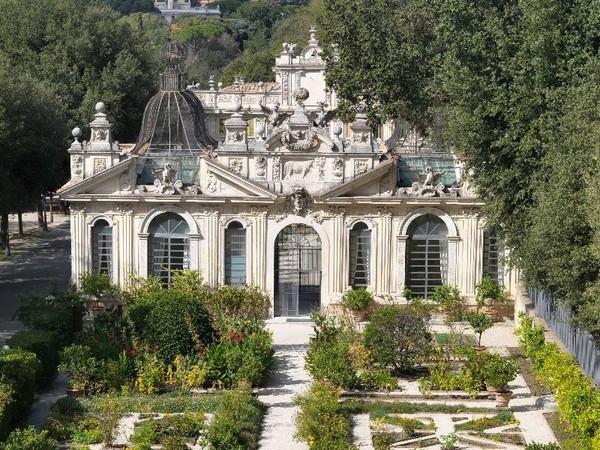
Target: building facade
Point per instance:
(260, 183)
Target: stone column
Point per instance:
(125, 236)
(338, 276)
(384, 256)
(194, 250)
(401, 241)
(213, 257)
(79, 243)
(258, 259)
(143, 255)
(468, 255)
(452, 259)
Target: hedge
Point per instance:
(19, 369)
(7, 400)
(45, 345)
(577, 398)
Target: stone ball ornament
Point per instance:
(301, 94)
(76, 132)
(100, 107)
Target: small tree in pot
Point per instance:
(480, 322)
(498, 372)
(357, 301)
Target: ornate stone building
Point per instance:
(260, 183)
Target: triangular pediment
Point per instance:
(104, 182)
(376, 182)
(222, 182)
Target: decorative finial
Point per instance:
(100, 107)
(211, 82)
(76, 133)
(301, 94)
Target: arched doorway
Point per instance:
(168, 248)
(427, 255)
(297, 271)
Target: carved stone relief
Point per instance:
(100, 135)
(338, 167)
(299, 141)
(236, 165)
(297, 169)
(99, 164)
(320, 163)
(77, 165)
(211, 182)
(360, 166)
(276, 168)
(261, 166)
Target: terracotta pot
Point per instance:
(479, 348)
(502, 398)
(74, 392)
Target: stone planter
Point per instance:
(502, 398)
(74, 392)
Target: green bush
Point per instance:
(28, 439)
(397, 337)
(177, 324)
(45, 345)
(357, 299)
(57, 310)
(97, 285)
(7, 399)
(480, 322)
(20, 370)
(237, 422)
(330, 360)
(321, 421)
(85, 370)
(247, 302)
(451, 302)
(489, 290)
(536, 446)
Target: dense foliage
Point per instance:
(512, 87)
(577, 397)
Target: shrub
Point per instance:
(97, 285)
(64, 415)
(450, 301)
(498, 372)
(321, 421)
(28, 439)
(536, 446)
(489, 290)
(7, 400)
(357, 299)
(331, 360)
(177, 324)
(20, 369)
(85, 370)
(397, 337)
(107, 337)
(59, 311)
(45, 345)
(151, 372)
(236, 423)
(247, 302)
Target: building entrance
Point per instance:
(297, 271)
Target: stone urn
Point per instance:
(502, 398)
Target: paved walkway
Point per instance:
(41, 258)
(288, 379)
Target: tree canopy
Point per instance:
(512, 87)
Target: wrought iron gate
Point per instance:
(297, 271)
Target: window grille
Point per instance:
(102, 241)
(235, 254)
(427, 255)
(168, 246)
(492, 257)
(360, 256)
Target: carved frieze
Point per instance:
(320, 163)
(277, 168)
(338, 167)
(297, 169)
(260, 166)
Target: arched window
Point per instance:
(360, 255)
(427, 255)
(168, 248)
(102, 240)
(235, 254)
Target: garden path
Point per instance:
(288, 379)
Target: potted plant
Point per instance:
(480, 322)
(83, 369)
(497, 373)
(357, 301)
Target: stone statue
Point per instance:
(274, 116)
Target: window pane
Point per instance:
(102, 248)
(168, 246)
(360, 256)
(235, 255)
